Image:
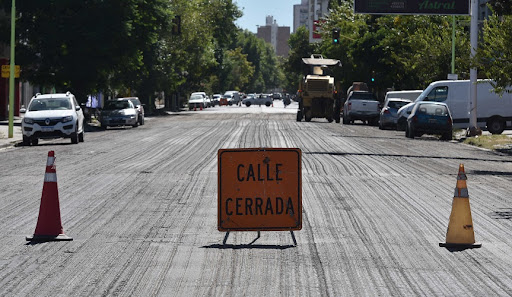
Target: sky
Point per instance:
(255, 12)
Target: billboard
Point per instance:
(421, 7)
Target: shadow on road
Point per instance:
(405, 156)
(248, 246)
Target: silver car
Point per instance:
(119, 112)
(388, 114)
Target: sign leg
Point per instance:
(293, 238)
(225, 238)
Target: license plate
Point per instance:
(432, 121)
(47, 129)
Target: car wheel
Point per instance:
(409, 132)
(299, 115)
(26, 140)
(136, 124)
(330, 120)
(267, 104)
(141, 121)
(345, 120)
(34, 141)
(447, 136)
(81, 137)
(247, 104)
(495, 126)
(74, 135)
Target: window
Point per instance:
(439, 94)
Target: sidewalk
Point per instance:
(4, 133)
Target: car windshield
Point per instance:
(50, 104)
(433, 109)
(196, 97)
(135, 102)
(113, 105)
(397, 104)
(362, 96)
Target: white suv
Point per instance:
(52, 116)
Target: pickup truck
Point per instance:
(363, 106)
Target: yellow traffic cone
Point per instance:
(460, 232)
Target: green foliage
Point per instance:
(400, 52)
(494, 56)
(128, 47)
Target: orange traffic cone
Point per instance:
(195, 108)
(49, 226)
(460, 232)
(200, 107)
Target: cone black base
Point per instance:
(460, 245)
(43, 238)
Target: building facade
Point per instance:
(300, 15)
(275, 35)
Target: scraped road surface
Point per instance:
(141, 205)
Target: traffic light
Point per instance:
(335, 36)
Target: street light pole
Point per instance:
(11, 73)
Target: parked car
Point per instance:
(216, 99)
(119, 112)
(493, 111)
(361, 105)
(197, 101)
(388, 114)
(52, 116)
(258, 99)
(402, 114)
(139, 106)
(234, 97)
(429, 118)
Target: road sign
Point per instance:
(437, 7)
(6, 71)
(260, 189)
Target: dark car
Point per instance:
(429, 118)
(139, 106)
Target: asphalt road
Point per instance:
(141, 205)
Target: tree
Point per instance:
(239, 70)
(494, 56)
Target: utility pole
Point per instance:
(11, 74)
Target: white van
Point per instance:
(406, 94)
(235, 96)
(494, 113)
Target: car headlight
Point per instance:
(28, 120)
(67, 119)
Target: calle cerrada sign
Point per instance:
(438, 7)
(259, 189)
